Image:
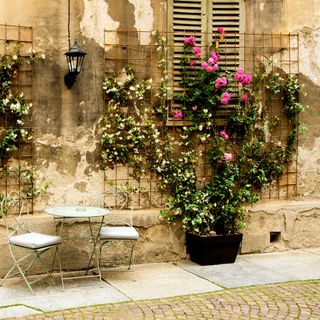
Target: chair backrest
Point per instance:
(117, 200)
(12, 207)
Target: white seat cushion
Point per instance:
(119, 233)
(34, 240)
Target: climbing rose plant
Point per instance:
(241, 152)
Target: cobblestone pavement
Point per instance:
(291, 300)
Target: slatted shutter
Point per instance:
(226, 14)
(201, 18)
(187, 19)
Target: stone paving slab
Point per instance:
(77, 293)
(254, 269)
(293, 300)
(157, 280)
(18, 311)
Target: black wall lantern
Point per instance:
(75, 57)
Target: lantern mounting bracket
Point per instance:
(74, 56)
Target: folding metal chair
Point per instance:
(34, 244)
(117, 228)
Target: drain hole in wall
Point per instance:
(275, 236)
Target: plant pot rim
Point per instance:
(214, 234)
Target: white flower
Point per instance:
(24, 133)
(15, 57)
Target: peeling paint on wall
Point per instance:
(309, 53)
(96, 19)
(143, 18)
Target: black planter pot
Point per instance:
(215, 249)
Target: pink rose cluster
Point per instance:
(221, 82)
(243, 78)
(197, 52)
(225, 98)
(211, 65)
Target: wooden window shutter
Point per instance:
(188, 18)
(226, 14)
(201, 18)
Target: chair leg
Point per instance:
(16, 264)
(21, 271)
(25, 279)
(99, 259)
(131, 258)
(131, 255)
(7, 275)
(60, 267)
(99, 263)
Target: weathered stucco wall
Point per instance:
(66, 122)
(302, 17)
(282, 225)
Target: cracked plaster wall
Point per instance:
(302, 17)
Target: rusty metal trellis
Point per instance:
(138, 49)
(10, 37)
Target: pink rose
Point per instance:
(211, 61)
(223, 134)
(244, 97)
(221, 82)
(177, 114)
(190, 41)
(243, 78)
(221, 31)
(239, 75)
(225, 98)
(204, 65)
(197, 52)
(215, 56)
(228, 156)
(246, 79)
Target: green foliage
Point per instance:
(13, 106)
(13, 110)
